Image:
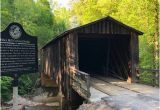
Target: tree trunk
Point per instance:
(156, 35)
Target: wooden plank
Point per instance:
(76, 51)
(103, 27)
(135, 87)
(81, 83)
(109, 89)
(47, 82)
(134, 56)
(107, 27)
(66, 67)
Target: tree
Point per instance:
(156, 43)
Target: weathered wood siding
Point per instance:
(59, 56)
(134, 54)
(51, 60)
(104, 27)
(111, 27)
(62, 54)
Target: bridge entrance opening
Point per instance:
(104, 55)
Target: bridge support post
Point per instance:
(134, 47)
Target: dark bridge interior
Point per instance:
(103, 54)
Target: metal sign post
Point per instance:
(15, 92)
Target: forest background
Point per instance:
(46, 19)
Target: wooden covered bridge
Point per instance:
(104, 48)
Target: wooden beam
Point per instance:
(134, 47)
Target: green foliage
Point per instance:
(139, 14)
(62, 16)
(38, 20)
(6, 88)
(147, 78)
(25, 84)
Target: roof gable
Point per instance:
(108, 18)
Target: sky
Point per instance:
(64, 3)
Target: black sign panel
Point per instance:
(18, 51)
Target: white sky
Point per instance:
(64, 3)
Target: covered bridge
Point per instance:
(105, 47)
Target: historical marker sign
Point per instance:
(18, 51)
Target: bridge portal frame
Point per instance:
(59, 57)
